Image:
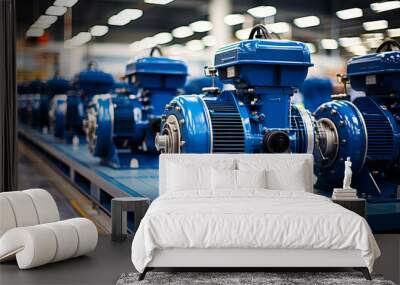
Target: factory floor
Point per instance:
(35, 172)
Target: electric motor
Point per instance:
(367, 130)
(255, 117)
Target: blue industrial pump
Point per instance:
(38, 117)
(315, 91)
(85, 85)
(23, 102)
(121, 126)
(195, 85)
(254, 117)
(367, 130)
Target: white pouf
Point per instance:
(46, 207)
(40, 244)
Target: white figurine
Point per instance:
(347, 174)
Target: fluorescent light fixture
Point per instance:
(148, 42)
(233, 19)
(306, 22)
(209, 41)
(358, 50)
(182, 32)
(131, 14)
(375, 25)
(349, 41)
(373, 35)
(329, 44)
(158, 2)
(79, 39)
(175, 49)
(311, 47)
(98, 30)
(40, 25)
(46, 19)
(243, 34)
(118, 20)
(65, 3)
(373, 42)
(279, 28)
(385, 6)
(394, 33)
(349, 13)
(262, 11)
(201, 26)
(163, 38)
(34, 32)
(56, 10)
(195, 45)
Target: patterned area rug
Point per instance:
(242, 278)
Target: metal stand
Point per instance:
(119, 209)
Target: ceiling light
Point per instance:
(148, 42)
(131, 14)
(262, 11)
(306, 22)
(163, 38)
(394, 32)
(234, 19)
(118, 20)
(373, 35)
(40, 25)
(311, 47)
(349, 41)
(358, 50)
(385, 6)
(201, 26)
(98, 30)
(34, 32)
(373, 42)
(349, 13)
(79, 39)
(279, 28)
(46, 19)
(329, 44)
(175, 49)
(375, 25)
(195, 45)
(56, 10)
(158, 2)
(209, 41)
(182, 32)
(243, 34)
(65, 3)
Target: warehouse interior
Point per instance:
(200, 141)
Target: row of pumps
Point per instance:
(129, 124)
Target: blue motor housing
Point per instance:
(315, 91)
(24, 103)
(367, 130)
(111, 130)
(38, 111)
(159, 80)
(85, 85)
(195, 85)
(254, 117)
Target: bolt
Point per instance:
(178, 109)
(181, 121)
(341, 123)
(341, 159)
(163, 117)
(168, 106)
(333, 112)
(344, 140)
(182, 143)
